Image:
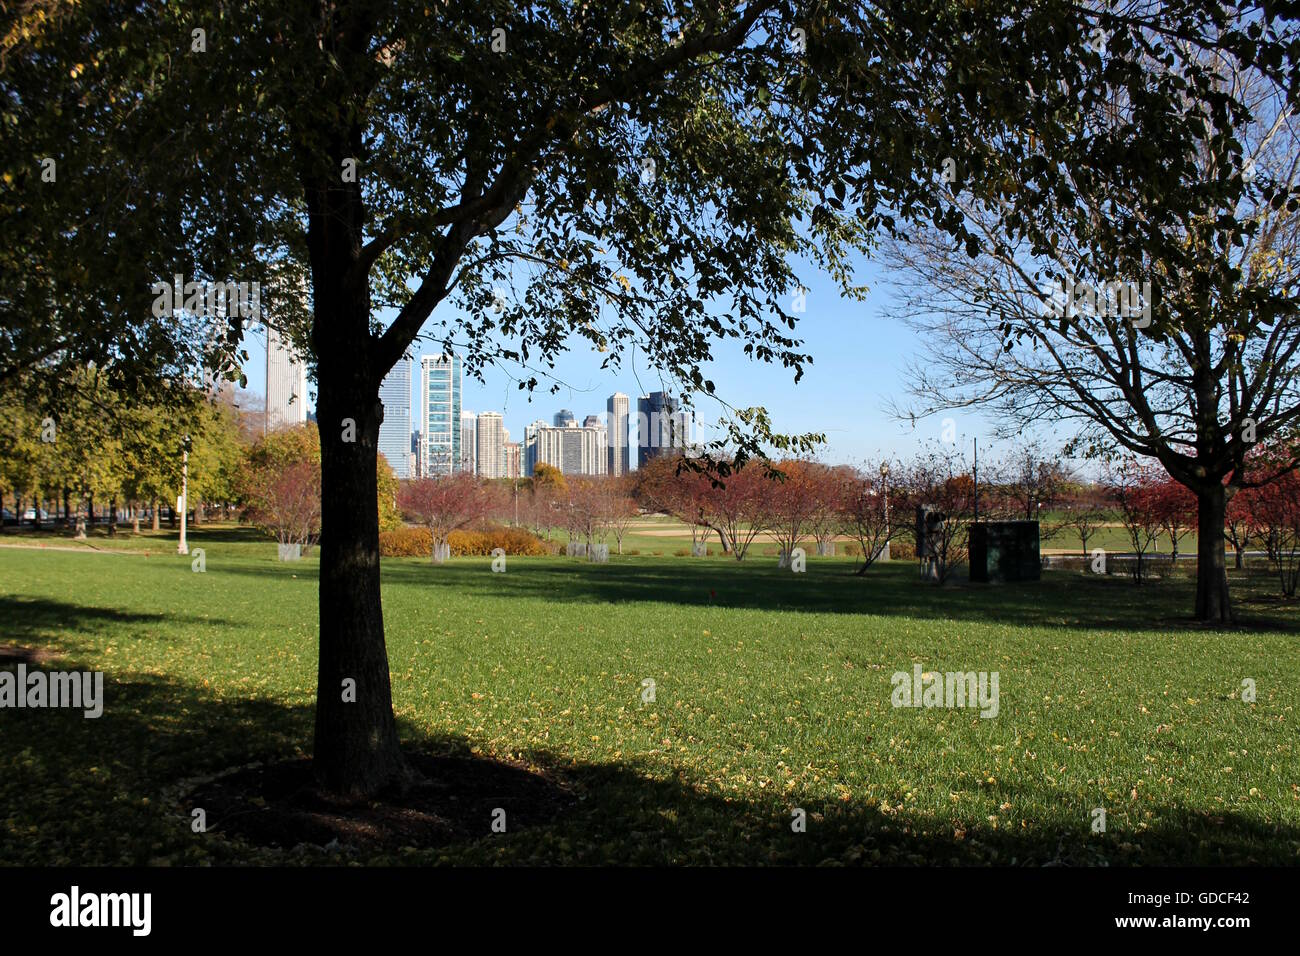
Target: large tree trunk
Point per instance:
(153, 510)
(1212, 602)
(356, 750)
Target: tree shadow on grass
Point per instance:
(30, 624)
(123, 788)
(1061, 599)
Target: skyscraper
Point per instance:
(573, 450)
(514, 465)
(565, 419)
(469, 443)
(395, 430)
(286, 383)
(491, 445)
(440, 384)
(661, 428)
(616, 422)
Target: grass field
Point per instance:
(772, 692)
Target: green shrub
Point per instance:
(852, 549)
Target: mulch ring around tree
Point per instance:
(12, 654)
(276, 805)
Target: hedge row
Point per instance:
(418, 543)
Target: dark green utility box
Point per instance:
(1005, 551)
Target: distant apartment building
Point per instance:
(514, 459)
(565, 419)
(469, 443)
(572, 449)
(440, 425)
(661, 427)
(491, 445)
(395, 429)
(616, 420)
(286, 384)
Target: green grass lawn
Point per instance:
(772, 692)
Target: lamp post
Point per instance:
(884, 481)
(183, 502)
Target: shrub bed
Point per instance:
(411, 542)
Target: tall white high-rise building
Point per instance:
(286, 383)
(395, 429)
(572, 449)
(440, 428)
(491, 445)
(469, 442)
(617, 410)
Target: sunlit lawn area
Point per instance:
(772, 691)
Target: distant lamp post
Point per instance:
(182, 503)
(884, 481)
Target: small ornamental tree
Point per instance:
(874, 510)
(1132, 486)
(793, 503)
(941, 479)
(285, 499)
(1084, 510)
(619, 508)
(1274, 512)
(739, 506)
(444, 505)
(1176, 507)
(830, 488)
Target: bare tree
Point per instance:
(874, 510)
(1167, 333)
(1084, 511)
(940, 481)
(619, 507)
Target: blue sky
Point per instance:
(859, 363)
